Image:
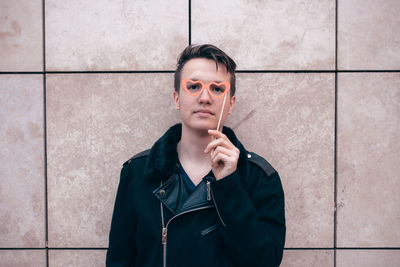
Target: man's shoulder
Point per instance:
(138, 156)
(261, 162)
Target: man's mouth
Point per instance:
(204, 111)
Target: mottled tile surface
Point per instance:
(77, 258)
(289, 119)
(115, 35)
(269, 34)
(368, 258)
(368, 34)
(22, 258)
(95, 123)
(368, 159)
(307, 258)
(21, 161)
(21, 47)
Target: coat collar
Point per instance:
(163, 156)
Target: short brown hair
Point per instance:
(205, 51)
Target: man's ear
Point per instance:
(176, 100)
(232, 102)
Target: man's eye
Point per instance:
(219, 89)
(194, 87)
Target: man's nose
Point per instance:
(205, 96)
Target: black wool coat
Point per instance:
(236, 221)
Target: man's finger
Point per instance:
(220, 158)
(219, 142)
(221, 150)
(216, 133)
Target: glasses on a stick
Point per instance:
(195, 88)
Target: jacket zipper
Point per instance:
(164, 231)
(164, 243)
(208, 184)
(215, 204)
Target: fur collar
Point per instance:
(163, 156)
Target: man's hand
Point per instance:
(224, 155)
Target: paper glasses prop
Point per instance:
(195, 88)
(217, 90)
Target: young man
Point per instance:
(197, 197)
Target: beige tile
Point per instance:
(21, 161)
(368, 258)
(289, 119)
(115, 35)
(95, 123)
(77, 258)
(368, 34)
(21, 47)
(269, 34)
(307, 258)
(368, 159)
(23, 258)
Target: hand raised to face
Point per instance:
(224, 155)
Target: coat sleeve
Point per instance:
(252, 219)
(121, 247)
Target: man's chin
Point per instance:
(202, 125)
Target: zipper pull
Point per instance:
(208, 190)
(164, 236)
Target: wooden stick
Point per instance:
(220, 114)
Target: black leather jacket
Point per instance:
(236, 221)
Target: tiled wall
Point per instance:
(86, 84)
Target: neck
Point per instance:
(192, 144)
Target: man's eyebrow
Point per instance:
(196, 79)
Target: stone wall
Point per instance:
(84, 85)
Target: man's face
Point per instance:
(202, 112)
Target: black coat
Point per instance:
(236, 221)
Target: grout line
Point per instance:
(44, 35)
(285, 71)
(47, 249)
(368, 70)
(21, 72)
(190, 22)
(311, 71)
(172, 71)
(368, 248)
(45, 131)
(111, 72)
(308, 248)
(90, 248)
(335, 140)
(45, 169)
(82, 248)
(347, 248)
(336, 35)
(23, 248)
